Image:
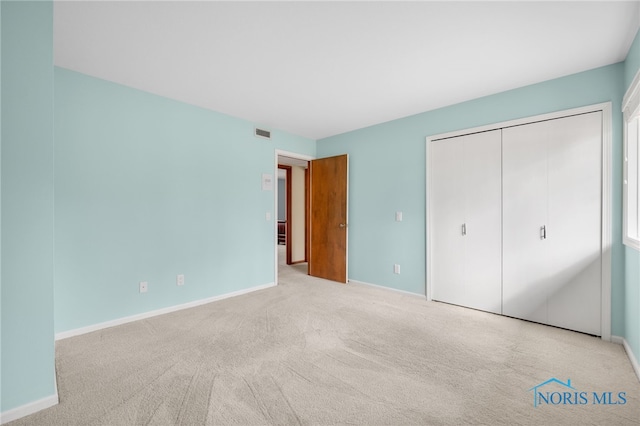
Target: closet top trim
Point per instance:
(603, 107)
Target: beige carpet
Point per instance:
(314, 352)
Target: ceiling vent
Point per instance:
(261, 133)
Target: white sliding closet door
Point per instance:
(447, 216)
(525, 252)
(552, 222)
(574, 230)
(466, 220)
(483, 218)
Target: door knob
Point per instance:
(343, 225)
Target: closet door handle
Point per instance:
(543, 232)
(464, 229)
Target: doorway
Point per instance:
(322, 229)
(292, 211)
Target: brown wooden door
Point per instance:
(328, 211)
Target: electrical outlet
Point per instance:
(180, 279)
(396, 269)
(144, 286)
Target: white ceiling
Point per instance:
(318, 69)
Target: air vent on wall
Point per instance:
(263, 133)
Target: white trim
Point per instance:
(289, 154)
(427, 236)
(346, 241)
(145, 315)
(28, 409)
(606, 218)
(630, 106)
(632, 358)
(631, 99)
(605, 319)
(617, 340)
(521, 121)
(406, 293)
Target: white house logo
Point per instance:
(547, 393)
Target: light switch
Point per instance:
(268, 216)
(398, 216)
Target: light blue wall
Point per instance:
(147, 188)
(387, 174)
(27, 370)
(632, 257)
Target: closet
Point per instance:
(515, 221)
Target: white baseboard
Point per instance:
(27, 409)
(634, 360)
(408, 293)
(617, 340)
(145, 315)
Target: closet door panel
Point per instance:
(483, 219)
(525, 256)
(574, 225)
(447, 216)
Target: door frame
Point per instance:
(277, 153)
(606, 206)
(287, 208)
